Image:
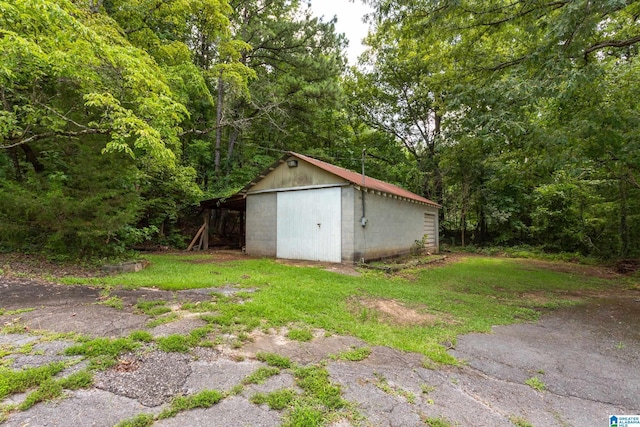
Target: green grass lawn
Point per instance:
(460, 297)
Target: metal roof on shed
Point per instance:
(370, 183)
(355, 178)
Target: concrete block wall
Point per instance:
(261, 232)
(393, 225)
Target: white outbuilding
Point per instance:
(303, 208)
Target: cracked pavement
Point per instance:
(587, 357)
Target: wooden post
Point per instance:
(205, 235)
(193, 242)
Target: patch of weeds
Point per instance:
(15, 312)
(276, 400)
(77, 380)
(102, 347)
(438, 354)
(314, 380)
(162, 320)
(199, 334)
(236, 390)
(536, 384)
(114, 302)
(199, 307)
(519, 421)
(429, 364)
(367, 315)
(25, 349)
(5, 410)
(304, 414)
(14, 327)
(244, 337)
(174, 343)
(207, 343)
(140, 420)
(302, 335)
(382, 383)
(219, 297)
(437, 422)
(48, 390)
(209, 318)
(102, 362)
(204, 399)
(153, 308)
(273, 359)
(426, 388)
(19, 381)
(6, 349)
(620, 346)
(141, 336)
(244, 295)
(260, 375)
(354, 355)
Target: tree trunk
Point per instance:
(216, 160)
(32, 158)
(13, 153)
(233, 138)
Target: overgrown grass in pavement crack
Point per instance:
(260, 375)
(536, 384)
(437, 422)
(382, 383)
(22, 380)
(203, 399)
(353, 355)
(319, 402)
(42, 383)
(152, 308)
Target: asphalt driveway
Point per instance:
(585, 361)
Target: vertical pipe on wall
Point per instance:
(363, 220)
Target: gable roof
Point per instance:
(237, 201)
(356, 179)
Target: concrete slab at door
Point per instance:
(308, 224)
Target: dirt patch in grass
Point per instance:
(565, 267)
(394, 312)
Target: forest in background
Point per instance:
(520, 117)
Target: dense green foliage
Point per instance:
(520, 117)
(114, 112)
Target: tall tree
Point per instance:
(532, 99)
(77, 96)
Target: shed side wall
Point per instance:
(393, 226)
(261, 229)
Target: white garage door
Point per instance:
(308, 224)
